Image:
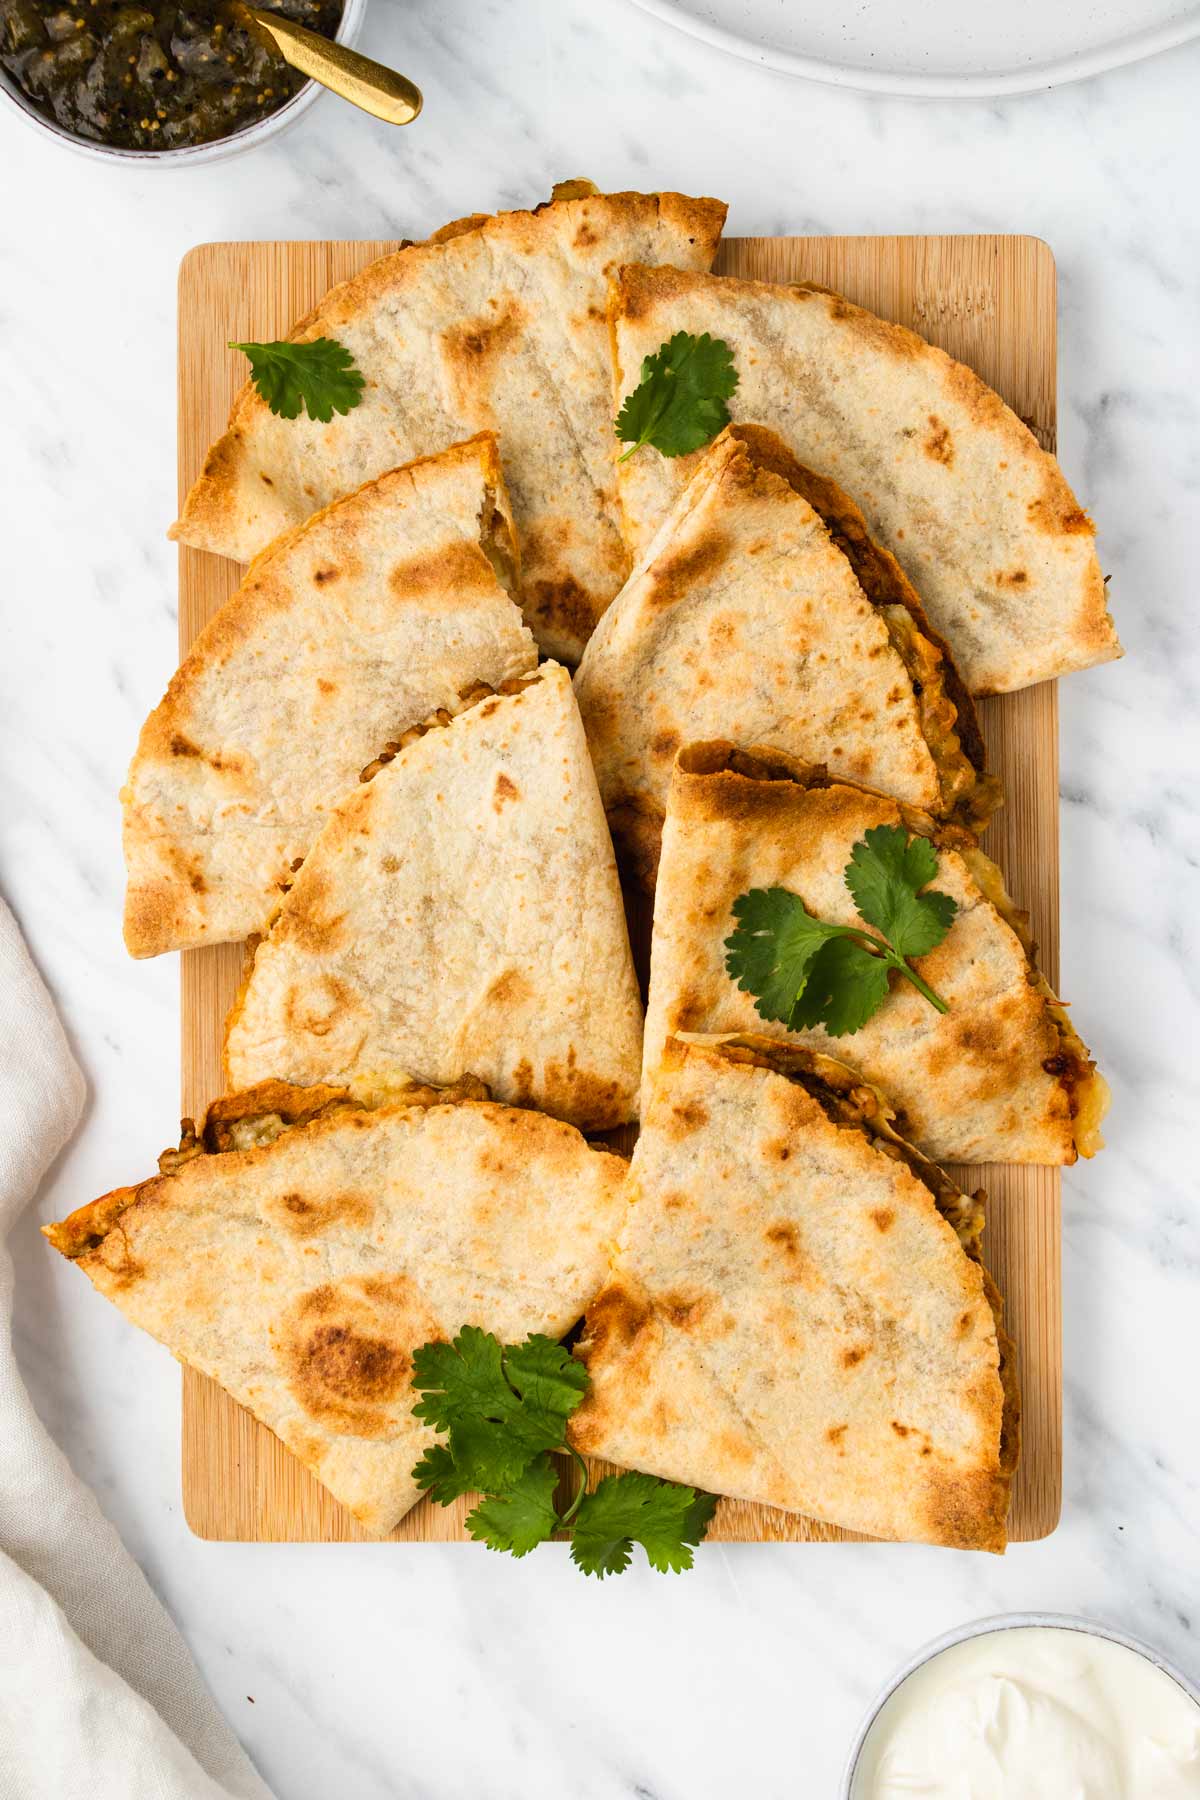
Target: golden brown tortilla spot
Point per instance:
(732, 1448)
(569, 605)
(390, 865)
(614, 1319)
(685, 1311)
(510, 988)
(314, 1013)
(522, 1079)
(346, 1348)
(183, 746)
(1013, 578)
(664, 743)
(836, 1433)
(457, 566)
(684, 1118)
(883, 1218)
(586, 236)
(505, 790)
(779, 1148)
(321, 576)
(852, 1357)
(309, 920)
(480, 340)
(784, 1237)
(965, 1321)
(900, 1430)
(674, 576)
(197, 882)
(593, 1102)
(326, 687)
(305, 1218)
(937, 443)
(262, 476)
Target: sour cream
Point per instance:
(1033, 1713)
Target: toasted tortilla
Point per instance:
(460, 912)
(948, 478)
(493, 324)
(1001, 1077)
(301, 1247)
(797, 1314)
(350, 629)
(761, 610)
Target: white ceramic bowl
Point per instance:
(981, 1628)
(188, 155)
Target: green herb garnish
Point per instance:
(680, 402)
(504, 1408)
(806, 972)
(319, 376)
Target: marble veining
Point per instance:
(442, 1671)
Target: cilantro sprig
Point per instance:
(680, 402)
(504, 1409)
(319, 376)
(806, 972)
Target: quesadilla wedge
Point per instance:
(763, 611)
(797, 1313)
(301, 1246)
(1002, 1076)
(461, 911)
(493, 324)
(390, 604)
(948, 478)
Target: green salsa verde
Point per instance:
(156, 76)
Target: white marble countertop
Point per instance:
(445, 1671)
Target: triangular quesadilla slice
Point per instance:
(762, 610)
(493, 324)
(460, 912)
(382, 609)
(797, 1313)
(948, 478)
(301, 1247)
(1002, 1076)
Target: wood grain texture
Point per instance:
(987, 300)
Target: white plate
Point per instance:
(937, 47)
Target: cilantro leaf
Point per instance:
(772, 950)
(846, 984)
(462, 1380)
(806, 972)
(623, 1510)
(438, 1475)
(523, 1516)
(886, 871)
(545, 1375)
(495, 1431)
(680, 402)
(320, 376)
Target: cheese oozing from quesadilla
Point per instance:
(493, 324)
(1000, 1077)
(460, 912)
(762, 611)
(797, 1314)
(390, 604)
(300, 1247)
(949, 480)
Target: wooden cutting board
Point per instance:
(990, 301)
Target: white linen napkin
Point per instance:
(99, 1697)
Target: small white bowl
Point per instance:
(981, 1628)
(186, 155)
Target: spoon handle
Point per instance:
(377, 89)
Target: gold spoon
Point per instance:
(376, 89)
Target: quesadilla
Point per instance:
(493, 324)
(763, 611)
(1002, 1076)
(301, 1247)
(797, 1313)
(460, 912)
(948, 478)
(350, 629)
